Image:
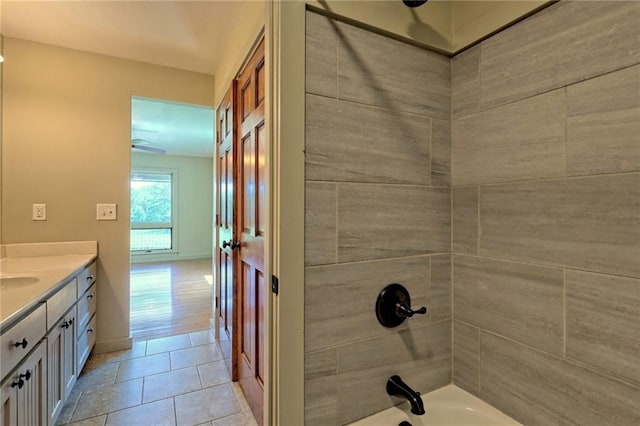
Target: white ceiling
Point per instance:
(179, 129)
(189, 35)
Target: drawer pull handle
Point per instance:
(90, 296)
(26, 376)
(89, 330)
(68, 323)
(90, 277)
(23, 343)
(19, 383)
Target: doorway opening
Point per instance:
(171, 218)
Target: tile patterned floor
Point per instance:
(173, 381)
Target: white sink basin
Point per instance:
(17, 280)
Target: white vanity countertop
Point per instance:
(51, 263)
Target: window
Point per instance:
(152, 203)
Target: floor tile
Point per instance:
(201, 338)
(105, 399)
(69, 406)
(237, 390)
(166, 344)
(241, 419)
(93, 421)
(97, 376)
(140, 367)
(213, 373)
(194, 356)
(207, 404)
(160, 386)
(158, 413)
(137, 350)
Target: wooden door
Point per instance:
(251, 229)
(225, 219)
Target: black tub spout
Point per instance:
(396, 387)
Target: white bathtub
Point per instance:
(447, 406)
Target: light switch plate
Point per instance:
(106, 211)
(39, 212)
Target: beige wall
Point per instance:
(194, 214)
(246, 31)
(1, 132)
(546, 216)
(66, 143)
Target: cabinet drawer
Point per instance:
(86, 306)
(30, 330)
(86, 340)
(86, 278)
(60, 303)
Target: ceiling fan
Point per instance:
(141, 144)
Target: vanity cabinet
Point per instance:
(87, 300)
(23, 392)
(43, 353)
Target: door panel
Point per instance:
(225, 217)
(252, 205)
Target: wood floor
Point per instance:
(170, 298)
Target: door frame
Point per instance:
(284, 33)
(285, 115)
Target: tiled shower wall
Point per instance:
(546, 216)
(377, 212)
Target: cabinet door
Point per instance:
(31, 398)
(69, 367)
(55, 383)
(9, 402)
(23, 392)
(61, 342)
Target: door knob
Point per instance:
(235, 245)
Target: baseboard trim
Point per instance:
(113, 345)
(159, 258)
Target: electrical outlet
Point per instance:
(106, 212)
(39, 212)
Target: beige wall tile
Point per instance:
(340, 299)
(421, 356)
(603, 323)
(383, 221)
(465, 82)
(440, 152)
(321, 55)
(538, 389)
(603, 124)
(377, 70)
(591, 223)
(566, 43)
(320, 387)
(465, 219)
(523, 140)
(357, 143)
(320, 223)
(440, 295)
(518, 301)
(466, 357)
